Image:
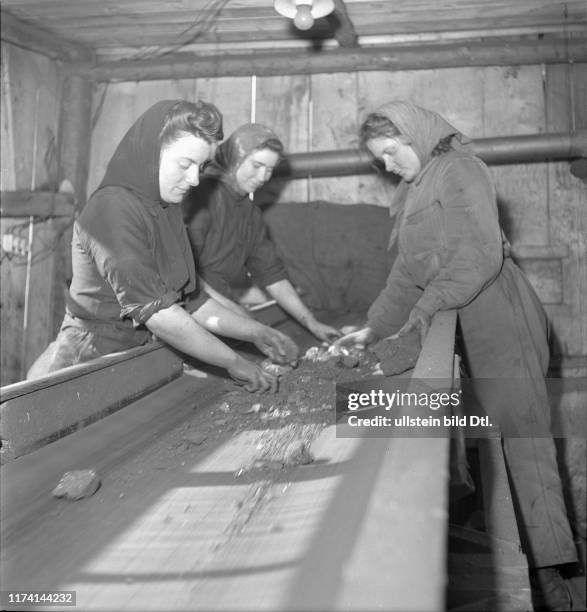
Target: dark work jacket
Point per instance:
(229, 238)
(130, 258)
(130, 251)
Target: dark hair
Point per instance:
(376, 125)
(273, 144)
(444, 145)
(199, 118)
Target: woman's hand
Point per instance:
(252, 376)
(323, 332)
(419, 320)
(360, 338)
(275, 344)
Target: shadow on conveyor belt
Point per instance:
(141, 456)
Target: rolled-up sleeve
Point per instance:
(196, 300)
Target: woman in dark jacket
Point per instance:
(451, 256)
(133, 270)
(226, 228)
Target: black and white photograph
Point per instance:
(293, 300)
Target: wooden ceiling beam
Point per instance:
(344, 30)
(33, 38)
(497, 52)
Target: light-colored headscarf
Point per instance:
(425, 129)
(233, 151)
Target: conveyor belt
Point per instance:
(174, 526)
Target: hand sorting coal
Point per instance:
(279, 347)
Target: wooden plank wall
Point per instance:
(566, 97)
(542, 205)
(30, 113)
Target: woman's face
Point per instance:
(397, 156)
(256, 170)
(180, 164)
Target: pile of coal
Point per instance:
(396, 355)
(341, 356)
(275, 369)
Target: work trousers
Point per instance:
(505, 340)
(79, 341)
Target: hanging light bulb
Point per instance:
(304, 12)
(303, 19)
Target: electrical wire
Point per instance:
(200, 25)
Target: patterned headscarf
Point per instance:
(235, 149)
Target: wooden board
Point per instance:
(12, 290)
(334, 126)
(37, 412)
(282, 104)
(232, 96)
(45, 300)
(176, 528)
(566, 101)
(24, 203)
(521, 189)
(116, 107)
(166, 24)
(30, 118)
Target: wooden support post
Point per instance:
(404, 57)
(75, 133)
(23, 203)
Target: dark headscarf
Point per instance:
(135, 163)
(233, 151)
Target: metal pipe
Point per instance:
(500, 150)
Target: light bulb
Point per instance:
(303, 19)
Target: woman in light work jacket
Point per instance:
(451, 256)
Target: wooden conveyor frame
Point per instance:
(393, 506)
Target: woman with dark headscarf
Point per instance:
(133, 270)
(226, 228)
(451, 256)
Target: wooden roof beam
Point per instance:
(504, 52)
(343, 28)
(31, 37)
